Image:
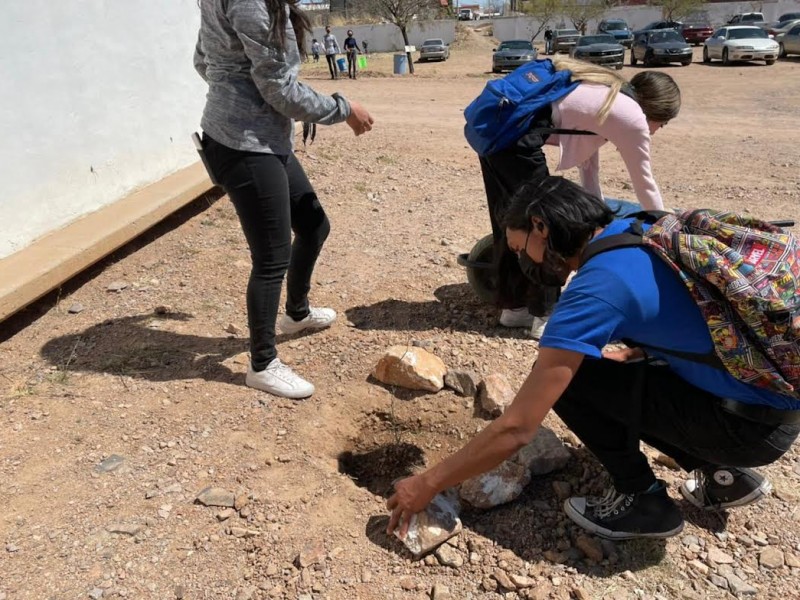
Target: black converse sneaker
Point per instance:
(618, 516)
(713, 488)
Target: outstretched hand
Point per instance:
(411, 496)
(360, 121)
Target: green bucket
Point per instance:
(362, 62)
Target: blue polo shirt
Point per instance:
(631, 293)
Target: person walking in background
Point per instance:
(364, 46)
(351, 48)
(548, 40)
(331, 50)
(316, 48)
(247, 53)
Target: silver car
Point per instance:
(790, 41)
(434, 49)
(512, 54)
(564, 40)
(740, 43)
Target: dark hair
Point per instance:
(299, 20)
(657, 94)
(570, 213)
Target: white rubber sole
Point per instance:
(608, 534)
(690, 485)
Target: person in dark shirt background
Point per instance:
(351, 48)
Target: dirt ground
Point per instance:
(153, 373)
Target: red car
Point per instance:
(696, 33)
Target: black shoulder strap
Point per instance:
(552, 130)
(611, 242)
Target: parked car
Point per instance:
(512, 54)
(789, 17)
(696, 32)
(676, 25)
(434, 49)
(619, 29)
(601, 49)
(789, 42)
(466, 14)
(751, 18)
(782, 27)
(740, 42)
(564, 40)
(660, 46)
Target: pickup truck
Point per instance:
(752, 18)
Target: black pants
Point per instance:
(504, 173)
(332, 67)
(272, 197)
(352, 65)
(669, 414)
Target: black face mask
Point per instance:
(527, 266)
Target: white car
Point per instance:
(741, 42)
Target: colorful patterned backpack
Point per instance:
(744, 275)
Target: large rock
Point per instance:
(434, 526)
(464, 383)
(412, 368)
(499, 486)
(213, 496)
(495, 394)
(546, 453)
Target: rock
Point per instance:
(718, 556)
(739, 587)
(668, 462)
(366, 576)
(431, 528)
(562, 489)
(771, 558)
(179, 592)
(112, 463)
(792, 561)
(117, 286)
(495, 393)
(96, 593)
(225, 514)
(440, 592)
(248, 593)
(412, 368)
(175, 488)
(522, 582)
(690, 540)
(242, 532)
(449, 556)
(699, 567)
(581, 594)
(718, 581)
(214, 496)
(125, 528)
(12, 548)
(546, 453)
(502, 578)
(76, 308)
(591, 547)
(311, 554)
(464, 383)
(499, 486)
(233, 329)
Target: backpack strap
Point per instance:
(556, 130)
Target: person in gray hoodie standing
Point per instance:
(249, 53)
(331, 50)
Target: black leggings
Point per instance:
(331, 58)
(352, 63)
(611, 406)
(504, 173)
(272, 197)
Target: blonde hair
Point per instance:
(589, 73)
(656, 93)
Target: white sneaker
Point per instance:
(318, 318)
(537, 327)
(516, 317)
(279, 379)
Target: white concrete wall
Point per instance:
(99, 98)
(509, 28)
(385, 37)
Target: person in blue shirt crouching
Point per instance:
(700, 416)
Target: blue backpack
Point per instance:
(504, 110)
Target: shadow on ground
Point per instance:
(141, 346)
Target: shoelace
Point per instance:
(284, 371)
(610, 503)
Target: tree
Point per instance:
(675, 10)
(542, 11)
(580, 12)
(400, 13)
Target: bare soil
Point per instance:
(154, 373)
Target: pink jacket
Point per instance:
(626, 127)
